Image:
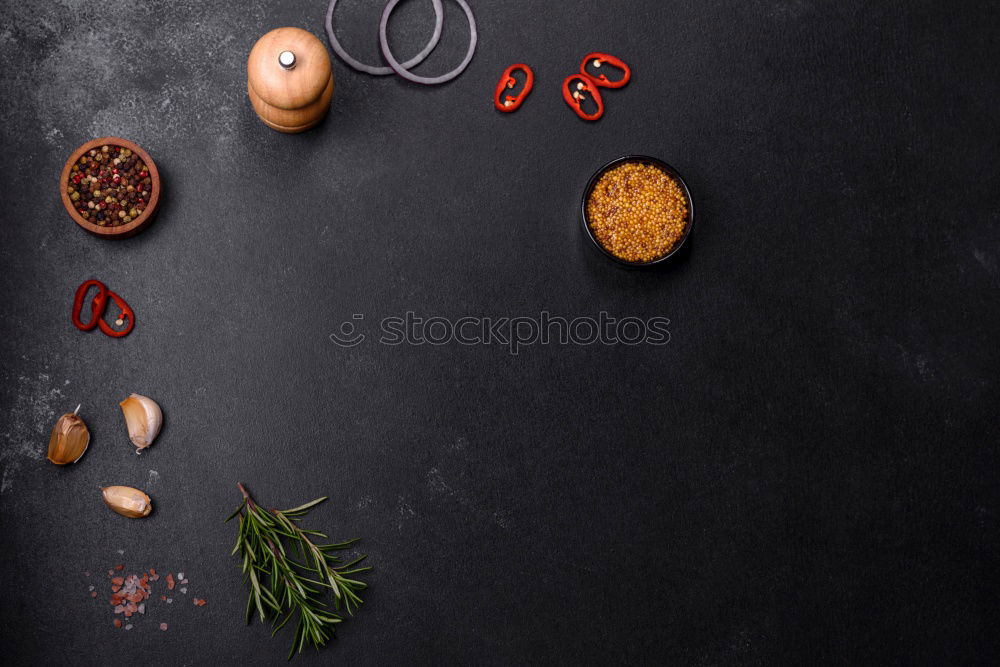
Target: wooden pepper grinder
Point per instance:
(289, 79)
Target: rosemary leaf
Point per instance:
(302, 509)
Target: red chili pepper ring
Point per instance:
(573, 89)
(510, 103)
(96, 308)
(126, 313)
(598, 59)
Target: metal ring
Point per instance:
(401, 69)
(382, 71)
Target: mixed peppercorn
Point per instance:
(637, 212)
(109, 186)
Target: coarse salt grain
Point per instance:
(129, 593)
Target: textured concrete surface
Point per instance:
(805, 473)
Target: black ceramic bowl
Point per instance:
(640, 159)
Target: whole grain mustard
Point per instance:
(637, 212)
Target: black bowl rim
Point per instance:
(670, 171)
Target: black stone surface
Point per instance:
(805, 473)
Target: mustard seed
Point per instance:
(637, 212)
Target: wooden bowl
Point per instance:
(120, 231)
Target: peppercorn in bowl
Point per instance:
(110, 187)
(637, 210)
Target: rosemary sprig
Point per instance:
(288, 571)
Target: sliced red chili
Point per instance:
(573, 89)
(96, 308)
(126, 314)
(596, 60)
(508, 103)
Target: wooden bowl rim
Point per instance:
(120, 230)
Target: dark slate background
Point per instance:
(807, 472)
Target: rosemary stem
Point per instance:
(282, 585)
(246, 494)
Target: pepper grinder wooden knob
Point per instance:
(289, 79)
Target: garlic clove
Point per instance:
(69, 440)
(127, 501)
(143, 418)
